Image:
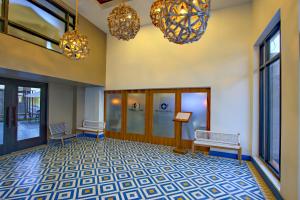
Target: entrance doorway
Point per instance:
(22, 114)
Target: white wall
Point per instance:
(80, 105)
(220, 60)
(60, 103)
(94, 103)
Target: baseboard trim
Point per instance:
(91, 135)
(267, 180)
(229, 155)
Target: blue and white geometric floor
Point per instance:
(116, 169)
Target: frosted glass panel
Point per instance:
(163, 114)
(113, 112)
(136, 113)
(197, 104)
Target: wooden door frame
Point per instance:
(112, 134)
(157, 139)
(188, 143)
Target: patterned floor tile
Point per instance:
(116, 170)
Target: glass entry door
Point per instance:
(113, 114)
(162, 114)
(135, 112)
(22, 115)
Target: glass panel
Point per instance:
(29, 105)
(2, 88)
(113, 112)
(31, 38)
(36, 19)
(71, 20)
(261, 114)
(274, 45)
(71, 28)
(52, 8)
(1, 26)
(274, 84)
(163, 115)
(1, 7)
(261, 55)
(136, 113)
(197, 104)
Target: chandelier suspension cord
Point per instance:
(76, 20)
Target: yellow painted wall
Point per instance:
(22, 56)
(220, 60)
(263, 12)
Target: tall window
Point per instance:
(270, 100)
(42, 22)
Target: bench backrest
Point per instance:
(229, 138)
(59, 128)
(93, 124)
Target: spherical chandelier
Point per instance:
(156, 12)
(123, 22)
(184, 21)
(73, 44)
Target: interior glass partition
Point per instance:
(114, 112)
(136, 105)
(148, 115)
(163, 115)
(197, 104)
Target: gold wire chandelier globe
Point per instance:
(184, 21)
(156, 12)
(74, 45)
(123, 22)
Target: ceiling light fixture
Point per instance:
(123, 22)
(184, 21)
(73, 44)
(156, 11)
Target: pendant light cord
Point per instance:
(76, 20)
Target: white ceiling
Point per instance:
(97, 14)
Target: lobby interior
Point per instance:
(237, 73)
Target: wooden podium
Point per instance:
(181, 117)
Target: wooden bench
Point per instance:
(93, 127)
(60, 131)
(218, 140)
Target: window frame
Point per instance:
(264, 116)
(6, 22)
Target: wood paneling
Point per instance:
(148, 137)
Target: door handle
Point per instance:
(7, 117)
(14, 116)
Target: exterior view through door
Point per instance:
(22, 114)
